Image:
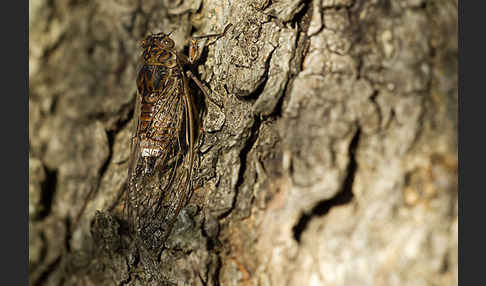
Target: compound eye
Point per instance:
(168, 42)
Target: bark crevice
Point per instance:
(344, 196)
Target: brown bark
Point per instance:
(328, 151)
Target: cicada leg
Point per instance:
(199, 84)
(195, 52)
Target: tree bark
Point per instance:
(327, 153)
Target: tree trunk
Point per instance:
(327, 153)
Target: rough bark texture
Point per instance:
(328, 151)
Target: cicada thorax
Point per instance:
(160, 86)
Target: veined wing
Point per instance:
(160, 182)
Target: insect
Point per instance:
(163, 141)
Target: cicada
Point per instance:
(164, 139)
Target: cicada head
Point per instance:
(159, 40)
(157, 48)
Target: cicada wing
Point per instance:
(191, 131)
(181, 183)
(174, 173)
(160, 184)
(135, 157)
